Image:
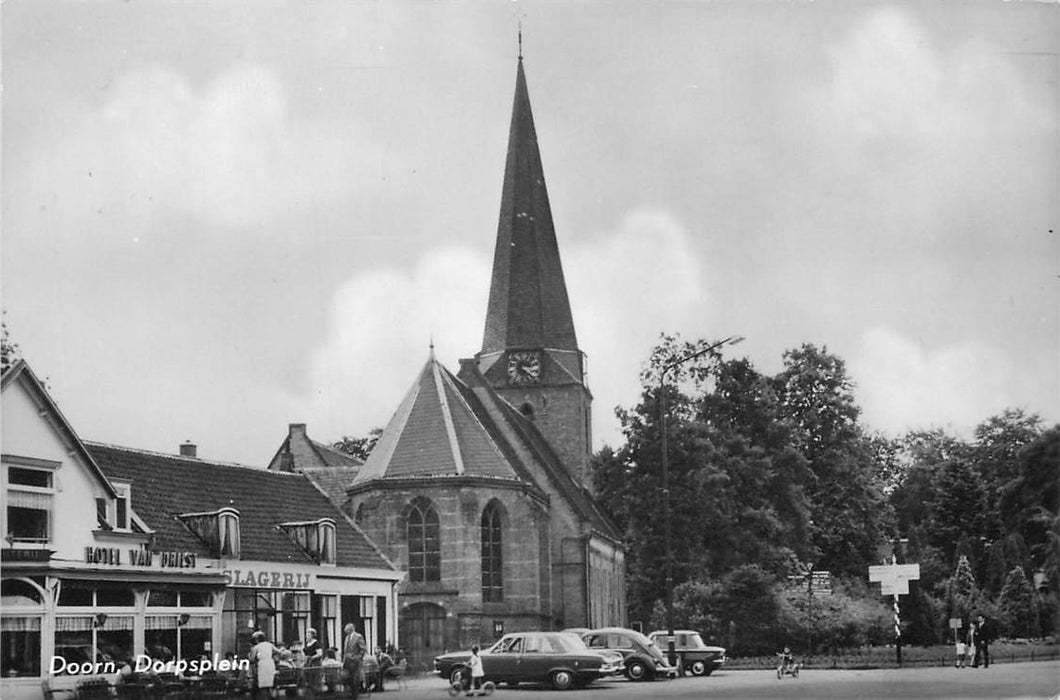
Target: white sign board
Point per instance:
(894, 578)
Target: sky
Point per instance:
(222, 218)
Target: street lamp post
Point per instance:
(667, 524)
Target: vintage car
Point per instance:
(556, 658)
(694, 656)
(641, 659)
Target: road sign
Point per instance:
(894, 578)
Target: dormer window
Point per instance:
(219, 529)
(316, 537)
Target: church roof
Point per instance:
(436, 432)
(528, 305)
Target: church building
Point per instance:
(479, 486)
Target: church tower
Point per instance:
(530, 353)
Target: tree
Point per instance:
(999, 443)
(1029, 502)
(736, 480)
(850, 515)
(9, 350)
(963, 597)
(359, 447)
(1016, 605)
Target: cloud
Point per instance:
(902, 385)
(382, 323)
(224, 155)
(383, 320)
(627, 286)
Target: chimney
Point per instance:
(188, 449)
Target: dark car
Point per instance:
(559, 659)
(642, 660)
(694, 655)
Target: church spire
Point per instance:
(528, 305)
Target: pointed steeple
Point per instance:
(528, 304)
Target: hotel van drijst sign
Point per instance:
(111, 556)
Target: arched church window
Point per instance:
(425, 551)
(492, 569)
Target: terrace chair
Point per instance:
(94, 689)
(213, 687)
(51, 693)
(285, 682)
(398, 671)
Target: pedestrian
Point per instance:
(353, 650)
(314, 652)
(984, 634)
(477, 673)
(962, 648)
(261, 658)
(972, 649)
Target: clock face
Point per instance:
(524, 367)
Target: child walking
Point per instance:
(476, 671)
(962, 649)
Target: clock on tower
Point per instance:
(524, 367)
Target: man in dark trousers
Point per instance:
(353, 650)
(984, 634)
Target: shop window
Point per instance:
(294, 616)
(316, 537)
(78, 594)
(424, 542)
(325, 619)
(22, 606)
(20, 642)
(72, 596)
(219, 530)
(184, 636)
(114, 597)
(29, 504)
(162, 598)
(173, 598)
(492, 569)
(97, 638)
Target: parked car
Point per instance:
(613, 661)
(641, 659)
(694, 655)
(559, 659)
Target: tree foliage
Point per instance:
(771, 473)
(359, 447)
(9, 350)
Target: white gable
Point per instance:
(33, 435)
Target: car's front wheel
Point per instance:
(636, 670)
(698, 667)
(562, 680)
(456, 676)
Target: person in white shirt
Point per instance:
(475, 662)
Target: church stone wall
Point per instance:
(382, 514)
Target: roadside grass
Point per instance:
(1006, 651)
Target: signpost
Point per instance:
(894, 580)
